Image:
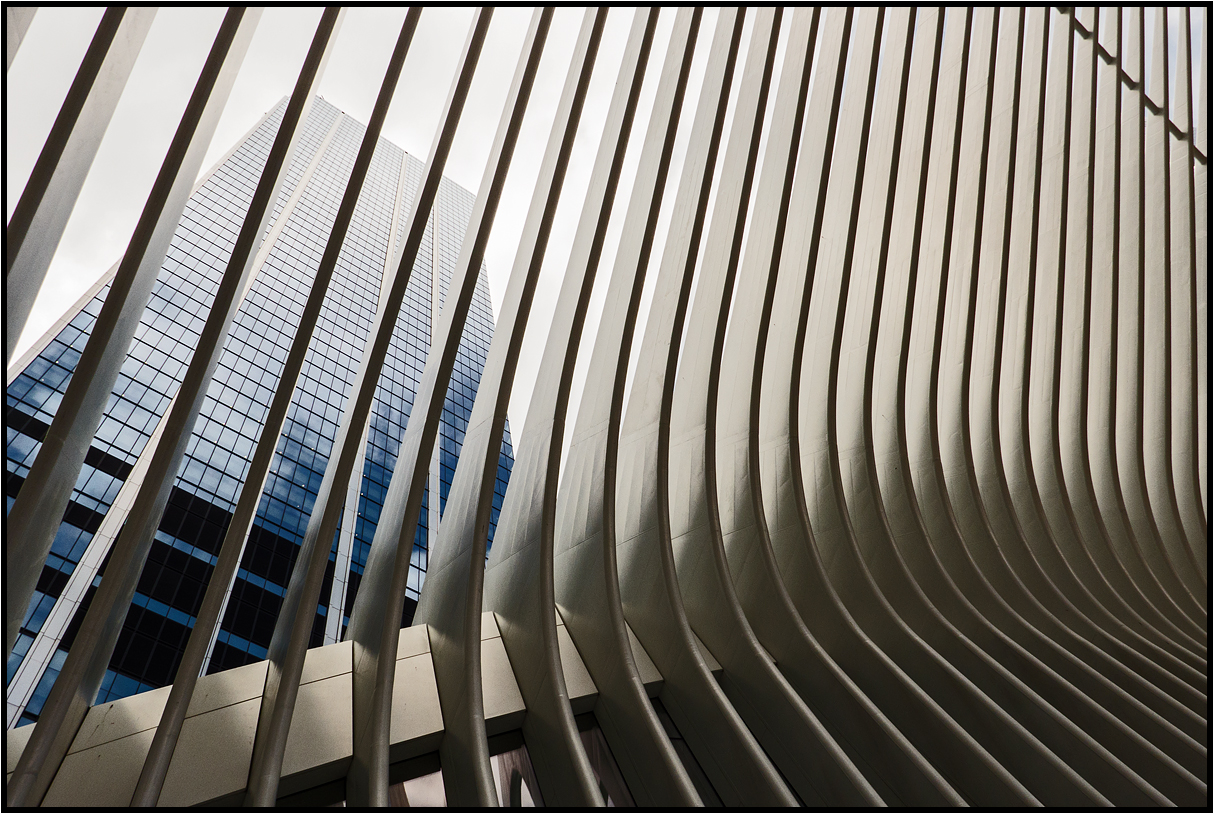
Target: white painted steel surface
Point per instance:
(906, 502)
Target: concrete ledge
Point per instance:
(211, 762)
(321, 740)
(417, 719)
(101, 776)
(714, 666)
(578, 683)
(504, 707)
(14, 745)
(650, 676)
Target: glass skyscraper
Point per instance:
(184, 553)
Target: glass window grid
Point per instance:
(218, 456)
(142, 390)
(329, 370)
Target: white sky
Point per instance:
(155, 96)
(168, 66)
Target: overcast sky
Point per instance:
(168, 66)
(172, 56)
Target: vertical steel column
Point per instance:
(808, 758)
(451, 597)
(1185, 401)
(434, 481)
(925, 580)
(381, 595)
(518, 578)
(255, 479)
(16, 23)
(1008, 560)
(1158, 259)
(585, 573)
(293, 629)
(1042, 507)
(1097, 569)
(1149, 528)
(926, 528)
(1201, 206)
(341, 569)
(807, 569)
(735, 764)
(898, 621)
(1130, 731)
(859, 726)
(1103, 571)
(184, 413)
(81, 675)
(25, 680)
(957, 630)
(1071, 690)
(1106, 379)
(1108, 237)
(1158, 581)
(888, 543)
(37, 224)
(1027, 545)
(345, 540)
(988, 558)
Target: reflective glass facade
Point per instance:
(183, 555)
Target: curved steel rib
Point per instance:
(293, 628)
(584, 562)
(519, 585)
(381, 596)
(731, 757)
(82, 672)
(782, 722)
(903, 505)
(32, 234)
(451, 597)
(160, 753)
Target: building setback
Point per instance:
(204, 494)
